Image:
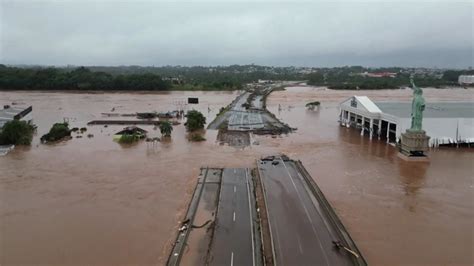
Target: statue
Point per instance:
(417, 107)
(414, 142)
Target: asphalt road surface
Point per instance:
(242, 119)
(233, 236)
(245, 120)
(300, 232)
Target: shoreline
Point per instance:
(215, 90)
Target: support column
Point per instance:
(371, 128)
(363, 124)
(348, 124)
(379, 129)
(341, 117)
(388, 131)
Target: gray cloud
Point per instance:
(209, 33)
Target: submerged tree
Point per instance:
(57, 132)
(196, 137)
(17, 132)
(166, 128)
(313, 105)
(129, 138)
(195, 120)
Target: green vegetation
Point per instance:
(221, 111)
(232, 77)
(16, 132)
(129, 138)
(224, 126)
(166, 128)
(139, 78)
(78, 79)
(196, 137)
(57, 132)
(353, 78)
(195, 120)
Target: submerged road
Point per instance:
(233, 237)
(301, 233)
(242, 119)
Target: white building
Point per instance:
(466, 80)
(444, 122)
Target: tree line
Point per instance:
(212, 78)
(12, 78)
(137, 77)
(351, 79)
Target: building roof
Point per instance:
(368, 104)
(131, 130)
(432, 110)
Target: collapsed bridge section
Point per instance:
(304, 228)
(272, 215)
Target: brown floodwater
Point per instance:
(94, 201)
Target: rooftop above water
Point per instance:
(432, 110)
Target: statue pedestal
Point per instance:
(414, 145)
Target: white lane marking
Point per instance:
(277, 238)
(299, 244)
(231, 258)
(307, 214)
(234, 189)
(251, 219)
(317, 208)
(233, 217)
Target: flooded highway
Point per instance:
(301, 233)
(94, 201)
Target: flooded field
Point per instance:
(94, 201)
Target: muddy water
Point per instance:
(94, 201)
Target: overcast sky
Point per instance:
(316, 33)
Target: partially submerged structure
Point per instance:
(258, 216)
(444, 122)
(132, 130)
(166, 115)
(466, 80)
(9, 113)
(5, 149)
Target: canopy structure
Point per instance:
(444, 122)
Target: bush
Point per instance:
(196, 137)
(57, 132)
(315, 103)
(166, 128)
(17, 132)
(129, 138)
(221, 110)
(195, 120)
